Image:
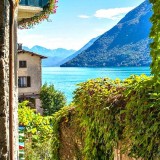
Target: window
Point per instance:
(22, 64)
(24, 82)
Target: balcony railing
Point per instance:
(34, 3)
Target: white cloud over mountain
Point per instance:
(112, 13)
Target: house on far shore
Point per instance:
(29, 77)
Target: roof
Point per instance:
(32, 53)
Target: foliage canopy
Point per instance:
(52, 100)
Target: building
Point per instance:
(29, 77)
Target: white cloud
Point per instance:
(112, 13)
(84, 16)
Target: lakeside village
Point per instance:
(108, 119)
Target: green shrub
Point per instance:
(52, 100)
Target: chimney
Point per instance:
(19, 46)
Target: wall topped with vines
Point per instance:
(111, 115)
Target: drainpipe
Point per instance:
(11, 32)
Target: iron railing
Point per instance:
(34, 3)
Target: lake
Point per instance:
(66, 78)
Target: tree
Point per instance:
(52, 100)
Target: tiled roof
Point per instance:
(32, 53)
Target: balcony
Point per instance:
(29, 8)
(32, 12)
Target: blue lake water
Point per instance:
(66, 78)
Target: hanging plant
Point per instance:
(50, 8)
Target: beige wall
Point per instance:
(33, 70)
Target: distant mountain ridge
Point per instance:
(55, 56)
(59, 56)
(126, 44)
(79, 51)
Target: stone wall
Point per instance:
(4, 80)
(15, 89)
(4, 86)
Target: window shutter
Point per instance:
(19, 82)
(28, 81)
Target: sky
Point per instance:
(76, 22)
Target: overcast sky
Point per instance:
(76, 22)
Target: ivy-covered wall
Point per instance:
(112, 118)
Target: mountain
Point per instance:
(79, 51)
(126, 44)
(55, 56)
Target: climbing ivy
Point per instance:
(142, 115)
(98, 104)
(154, 35)
(119, 112)
(58, 117)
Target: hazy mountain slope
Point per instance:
(55, 56)
(126, 44)
(79, 51)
